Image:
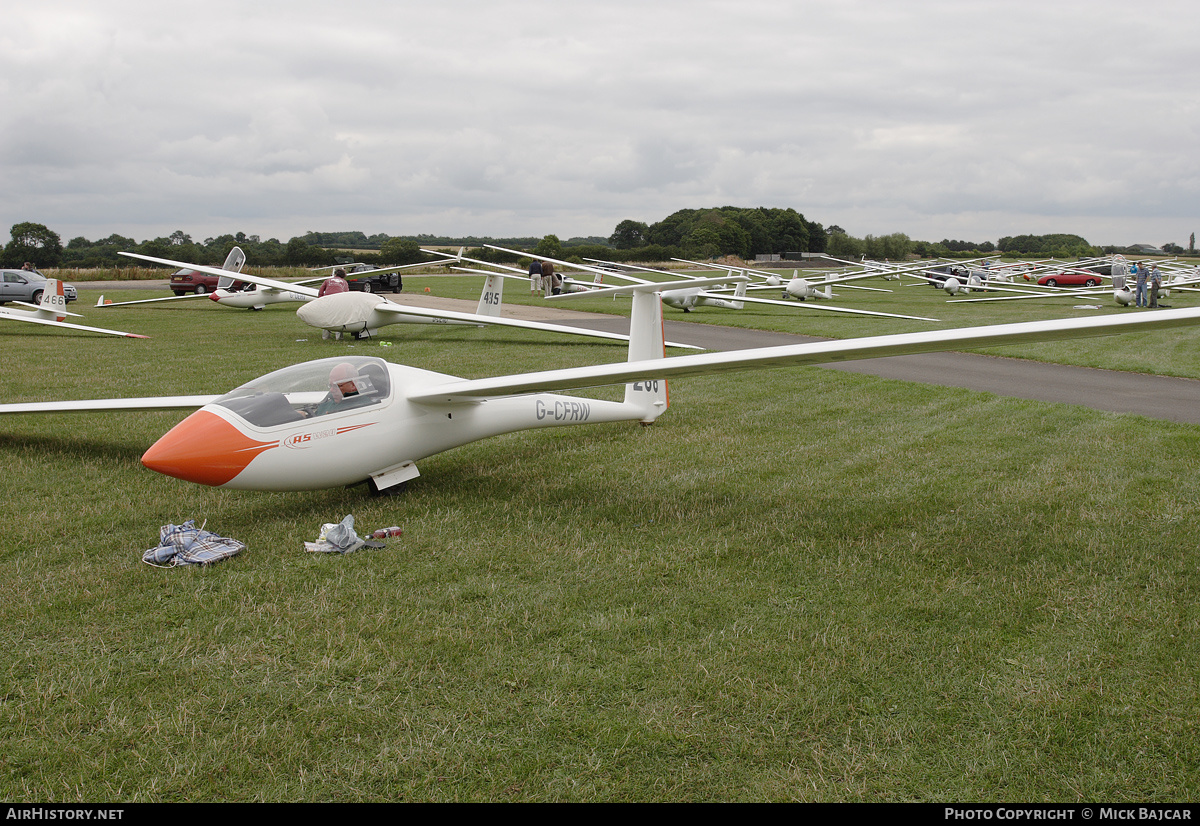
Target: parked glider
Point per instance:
(687, 296)
(362, 314)
(1123, 294)
(260, 295)
(353, 419)
(51, 311)
(234, 261)
(799, 287)
(257, 296)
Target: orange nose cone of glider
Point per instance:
(203, 448)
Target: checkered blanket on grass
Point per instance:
(188, 545)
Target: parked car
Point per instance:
(360, 277)
(189, 281)
(1083, 278)
(27, 286)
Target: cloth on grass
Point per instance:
(188, 545)
(340, 538)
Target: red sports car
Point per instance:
(1070, 279)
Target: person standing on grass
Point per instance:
(333, 285)
(535, 278)
(1139, 276)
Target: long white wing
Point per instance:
(568, 264)
(820, 352)
(188, 297)
(220, 273)
(113, 405)
(474, 318)
(814, 305)
(51, 323)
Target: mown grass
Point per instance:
(797, 585)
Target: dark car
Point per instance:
(938, 276)
(1083, 278)
(28, 286)
(189, 281)
(362, 277)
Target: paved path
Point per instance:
(1157, 397)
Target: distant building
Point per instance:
(1146, 249)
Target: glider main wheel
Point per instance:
(394, 490)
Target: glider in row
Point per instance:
(362, 314)
(51, 311)
(687, 297)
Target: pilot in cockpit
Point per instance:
(348, 389)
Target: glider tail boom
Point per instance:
(647, 341)
(739, 293)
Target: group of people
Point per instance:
(543, 280)
(1147, 282)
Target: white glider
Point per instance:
(362, 314)
(234, 261)
(51, 311)
(258, 295)
(687, 297)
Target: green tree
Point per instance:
(395, 251)
(296, 253)
(1058, 245)
(629, 234)
(670, 231)
(34, 243)
(703, 242)
(549, 246)
(789, 232)
(841, 245)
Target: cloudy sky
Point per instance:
(935, 118)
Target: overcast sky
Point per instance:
(935, 118)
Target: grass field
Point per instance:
(797, 585)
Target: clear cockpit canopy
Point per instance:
(308, 390)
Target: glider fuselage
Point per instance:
(259, 436)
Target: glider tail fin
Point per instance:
(234, 263)
(646, 342)
(53, 300)
(491, 297)
(739, 293)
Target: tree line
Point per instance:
(697, 234)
